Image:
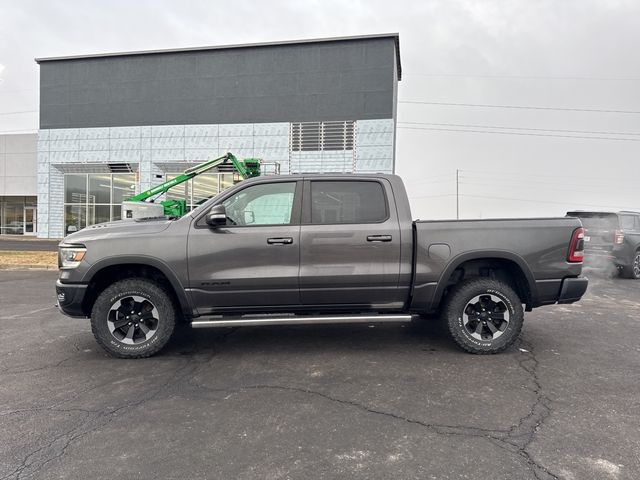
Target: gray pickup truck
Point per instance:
(315, 249)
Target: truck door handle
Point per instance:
(379, 238)
(280, 241)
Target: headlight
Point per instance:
(70, 257)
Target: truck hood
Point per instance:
(119, 228)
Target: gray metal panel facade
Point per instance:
(344, 79)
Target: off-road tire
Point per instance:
(632, 271)
(456, 302)
(138, 287)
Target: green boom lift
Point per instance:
(142, 206)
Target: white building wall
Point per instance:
(18, 165)
(153, 151)
(375, 149)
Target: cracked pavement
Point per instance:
(381, 401)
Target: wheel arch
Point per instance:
(497, 263)
(109, 270)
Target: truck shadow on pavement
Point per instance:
(422, 335)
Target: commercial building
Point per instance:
(18, 184)
(114, 124)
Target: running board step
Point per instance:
(298, 320)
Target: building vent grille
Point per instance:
(120, 168)
(322, 136)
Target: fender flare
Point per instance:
(144, 260)
(486, 254)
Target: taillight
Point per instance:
(618, 237)
(576, 248)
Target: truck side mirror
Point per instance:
(217, 216)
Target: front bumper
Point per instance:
(573, 289)
(70, 297)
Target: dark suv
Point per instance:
(612, 239)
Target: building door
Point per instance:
(30, 221)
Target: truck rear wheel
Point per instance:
(133, 318)
(484, 315)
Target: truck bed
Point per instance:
(537, 245)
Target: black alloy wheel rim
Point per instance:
(133, 320)
(486, 317)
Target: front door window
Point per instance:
(268, 204)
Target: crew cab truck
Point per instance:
(302, 249)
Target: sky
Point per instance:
(574, 65)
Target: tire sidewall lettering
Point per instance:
(133, 348)
(128, 293)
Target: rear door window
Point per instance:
(627, 222)
(343, 202)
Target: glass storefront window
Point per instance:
(95, 198)
(75, 188)
(18, 215)
(12, 218)
(124, 186)
(204, 186)
(116, 212)
(179, 192)
(98, 214)
(199, 189)
(99, 188)
(75, 218)
(226, 181)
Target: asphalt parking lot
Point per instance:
(357, 402)
(22, 243)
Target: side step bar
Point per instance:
(298, 320)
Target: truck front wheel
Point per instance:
(483, 315)
(133, 318)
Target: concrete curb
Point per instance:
(8, 266)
